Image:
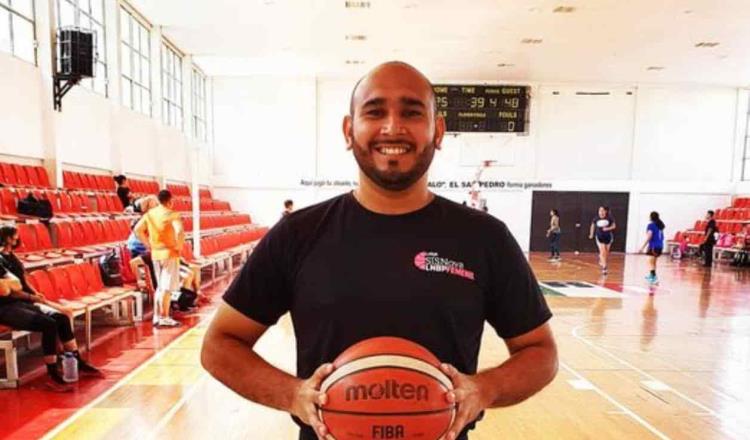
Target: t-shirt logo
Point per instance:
(432, 262)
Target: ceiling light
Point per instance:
(531, 41)
(655, 68)
(357, 4)
(505, 65)
(564, 10)
(355, 37)
(707, 44)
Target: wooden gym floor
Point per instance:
(666, 362)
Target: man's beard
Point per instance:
(393, 180)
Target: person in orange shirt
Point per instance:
(165, 239)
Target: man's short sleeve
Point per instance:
(261, 291)
(515, 304)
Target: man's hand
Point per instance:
(37, 298)
(467, 394)
(307, 396)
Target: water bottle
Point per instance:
(70, 367)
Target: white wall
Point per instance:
(264, 131)
(20, 98)
(672, 148)
(91, 131)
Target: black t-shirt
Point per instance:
(124, 194)
(12, 264)
(711, 229)
(600, 224)
(433, 276)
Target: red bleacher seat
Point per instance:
(21, 177)
(27, 235)
(31, 175)
(44, 241)
(8, 174)
(43, 177)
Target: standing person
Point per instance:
(389, 258)
(654, 245)
(165, 239)
(288, 208)
(709, 239)
(602, 227)
(554, 235)
(24, 308)
(123, 191)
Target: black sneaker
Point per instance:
(88, 369)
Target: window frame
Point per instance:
(12, 12)
(128, 48)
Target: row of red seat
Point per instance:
(73, 285)
(13, 174)
(741, 202)
(217, 221)
(62, 202)
(85, 181)
(742, 214)
(216, 244)
(726, 227)
(143, 186)
(179, 189)
(184, 191)
(185, 204)
(35, 237)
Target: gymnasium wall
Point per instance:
(673, 148)
(92, 132)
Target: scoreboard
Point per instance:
(472, 108)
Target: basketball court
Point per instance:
(236, 109)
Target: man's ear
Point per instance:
(439, 132)
(347, 128)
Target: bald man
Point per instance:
(389, 258)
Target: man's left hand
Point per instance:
(469, 397)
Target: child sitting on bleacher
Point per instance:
(24, 308)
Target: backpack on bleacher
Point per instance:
(109, 265)
(34, 207)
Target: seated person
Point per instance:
(123, 191)
(24, 308)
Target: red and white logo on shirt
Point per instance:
(432, 262)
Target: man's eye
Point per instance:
(412, 113)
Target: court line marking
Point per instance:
(650, 377)
(624, 409)
(81, 411)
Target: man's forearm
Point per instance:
(237, 366)
(524, 374)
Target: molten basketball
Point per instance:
(387, 388)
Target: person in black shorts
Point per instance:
(24, 308)
(387, 259)
(602, 227)
(654, 245)
(709, 240)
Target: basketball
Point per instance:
(387, 388)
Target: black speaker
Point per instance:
(76, 52)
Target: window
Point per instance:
(171, 83)
(17, 29)
(136, 63)
(200, 131)
(88, 14)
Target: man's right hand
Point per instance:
(307, 395)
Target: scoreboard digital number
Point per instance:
(495, 109)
